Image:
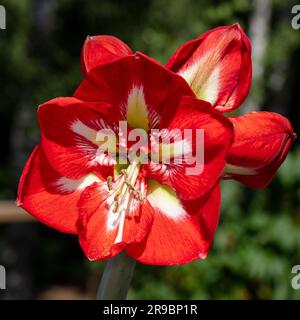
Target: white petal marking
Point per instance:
(98, 139)
(64, 184)
(137, 111)
(210, 89)
(190, 72)
(83, 130)
(205, 84)
(164, 199)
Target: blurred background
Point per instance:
(258, 239)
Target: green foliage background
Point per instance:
(258, 239)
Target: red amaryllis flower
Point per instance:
(156, 211)
(160, 212)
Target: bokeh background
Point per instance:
(258, 239)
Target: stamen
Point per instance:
(124, 173)
(109, 182)
(125, 190)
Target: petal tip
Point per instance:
(237, 26)
(203, 255)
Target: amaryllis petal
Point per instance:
(70, 135)
(104, 233)
(207, 210)
(262, 141)
(217, 66)
(201, 138)
(140, 89)
(48, 196)
(180, 232)
(99, 50)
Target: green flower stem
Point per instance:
(116, 278)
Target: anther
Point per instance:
(139, 195)
(109, 182)
(116, 205)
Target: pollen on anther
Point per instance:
(109, 183)
(116, 205)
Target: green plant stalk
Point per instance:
(116, 278)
